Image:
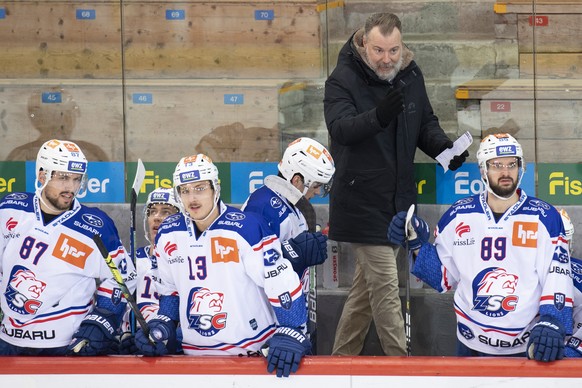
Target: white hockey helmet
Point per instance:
(499, 145)
(568, 227)
(60, 155)
(196, 168)
(309, 158)
(163, 196)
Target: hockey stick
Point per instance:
(119, 280)
(408, 267)
(135, 189)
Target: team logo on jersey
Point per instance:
(465, 331)
(462, 228)
(235, 216)
(276, 202)
(72, 251)
(11, 224)
(23, 291)
(224, 250)
(561, 255)
(463, 201)
(493, 292)
(525, 234)
(270, 257)
(170, 248)
(17, 196)
(205, 313)
(92, 220)
(540, 204)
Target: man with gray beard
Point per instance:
(377, 113)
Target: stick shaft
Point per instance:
(119, 280)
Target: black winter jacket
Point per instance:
(374, 176)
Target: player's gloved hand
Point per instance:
(390, 107)
(305, 250)
(418, 233)
(397, 229)
(162, 338)
(96, 335)
(573, 348)
(285, 349)
(546, 340)
(127, 344)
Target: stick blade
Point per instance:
(409, 218)
(139, 177)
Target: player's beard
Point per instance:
(57, 203)
(504, 191)
(383, 71)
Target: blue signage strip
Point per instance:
(264, 14)
(51, 97)
(246, 177)
(85, 14)
(466, 181)
(2, 13)
(105, 183)
(142, 98)
(234, 99)
(175, 14)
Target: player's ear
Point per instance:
(41, 176)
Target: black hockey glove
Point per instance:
(96, 336)
(573, 348)
(162, 339)
(305, 250)
(546, 340)
(284, 351)
(457, 160)
(390, 107)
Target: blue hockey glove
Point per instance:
(96, 335)
(573, 348)
(397, 229)
(285, 349)
(546, 340)
(305, 250)
(418, 233)
(127, 344)
(162, 339)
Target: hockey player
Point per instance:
(574, 344)
(506, 255)
(306, 170)
(222, 277)
(159, 205)
(50, 264)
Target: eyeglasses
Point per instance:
(195, 190)
(497, 166)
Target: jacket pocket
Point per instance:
(367, 190)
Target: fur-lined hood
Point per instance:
(358, 44)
